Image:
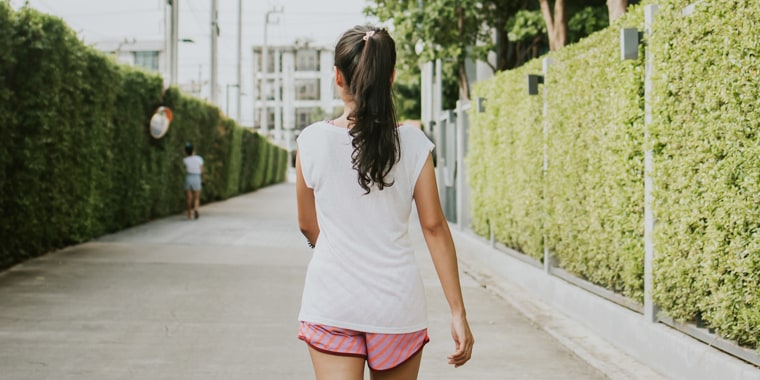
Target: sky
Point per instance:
(116, 20)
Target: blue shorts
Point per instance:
(193, 182)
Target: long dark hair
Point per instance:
(366, 57)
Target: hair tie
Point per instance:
(368, 35)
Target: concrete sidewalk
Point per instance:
(218, 298)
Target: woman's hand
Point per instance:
(460, 331)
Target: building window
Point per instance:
(148, 60)
(307, 89)
(271, 67)
(270, 95)
(270, 61)
(270, 117)
(307, 60)
(303, 117)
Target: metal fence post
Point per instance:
(650, 309)
(462, 123)
(545, 116)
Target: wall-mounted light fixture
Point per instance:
(481, 104)
(629, 43)
(533, 82)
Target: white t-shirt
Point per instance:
(193, 164)
(363, 274)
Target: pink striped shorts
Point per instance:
(382, 351)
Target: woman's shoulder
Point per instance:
(413, 134)
(409, 128)
(314, 128)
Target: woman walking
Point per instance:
(356, 179)
(193, 180)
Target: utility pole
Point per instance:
(227, 100)
(264, 70)
(173, 40)
(199, 90)
(239, 61)
(214, 35)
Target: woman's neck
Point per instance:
(342, 120)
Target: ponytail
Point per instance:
(367, 57)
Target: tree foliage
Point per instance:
(502, 33)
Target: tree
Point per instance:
(562, 28)
(453, 30)
(527, 31)
(616, 8)
(585, 21)
(457, 30)
(556, 23)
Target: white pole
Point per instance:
(238, 103)
(167, 43)
(278, 137)
(427, 93)
(173, 41)
(547, 62)
(263, 69)
(461, 135)
(214, 35)
(254, 85)
(650, 310)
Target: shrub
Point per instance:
(505, 162)
(595, 182)
(77, 157)
(707, 178)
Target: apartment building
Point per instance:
(148, 55)
(294, 90)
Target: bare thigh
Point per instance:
(336, 367)
(408, 370)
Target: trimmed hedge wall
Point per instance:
(707, 178)
(505, 162)
(77, 160)
(595, 181)
(594, 185)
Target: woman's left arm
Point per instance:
(307, 209)
(435, 230)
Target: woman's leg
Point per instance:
(196, 200)
(336, 367)
(407, 370)
(189, 203)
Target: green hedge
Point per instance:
(594, 185)
(595, 182)
(505, 162)
(77, 159)
(707, 177)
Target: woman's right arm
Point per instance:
(435, 229)
(307, 209)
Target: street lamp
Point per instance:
(264, 64)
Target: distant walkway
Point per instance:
(217, 298)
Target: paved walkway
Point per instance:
(217, 298)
